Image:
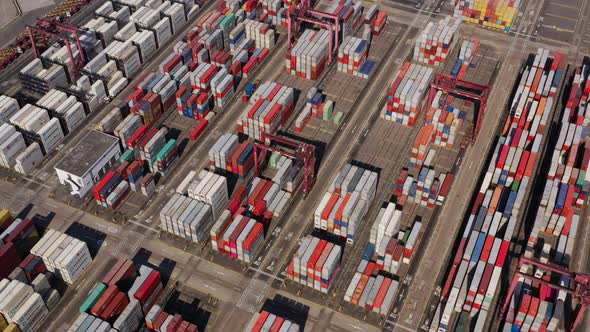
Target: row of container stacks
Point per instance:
(447, 120)
(436, 41)
(553, 236)
(404, 99)
(315, 263)
(268, 109)
(346, 202)
(65, 256)
(466, 58)
(206, 187)
(494, 14)
(498, 205)
(21, 307)
(426, 188)
(371, 291)
(229, 155)
(160, 321)
(240, 237)
(309, 56)
(271, 197)
(266, 321)
(317, 106)
(350, 16)
(375, 21)
(353, 55)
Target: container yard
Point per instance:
(165, 165)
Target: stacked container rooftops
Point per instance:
(87, 152)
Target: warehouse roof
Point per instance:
(87, 153)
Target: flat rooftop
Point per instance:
(86, 153)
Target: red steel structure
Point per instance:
(51, 28)
(303, 12)
(474, 92)
(580, 290)
(303, 151)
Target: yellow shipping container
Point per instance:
(12, 328)
(4, 216)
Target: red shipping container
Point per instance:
(174, 323)
(253, 236)
(137, 136)
(199, 129)
(9, 259)
(160, 320)
(125, 272)
(116, 307)
(107, 278)
(260, 321)
(276, 326)
(148, 287)
(175, 61)
(104, 300)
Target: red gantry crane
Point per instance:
(579, 287)
(52, 28)
(304, 12)
(473, 92)
(302, 151)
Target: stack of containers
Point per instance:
(424, 188)
(352, 55)
(127, 128)
(261, 33)
(268, 196)
(346, 202)
(554, 234)
(149, 147)
(467, 55)
(316, 106)
(67, 109)
(36, 126)
(166, 158)
(446, 119)
(12, 143)
(240, 237)
(349, 15)
(315, 263)
(494, 14)
(86, 322)
(272, 8)
(396, 246)
(269, 107)
(147, 288)
(222, 87)
(436, 41)
(288, 176)
(309, 56)
(404, 100)
(160, 321)
(210, 188)
(8, 107)
(21, 305)
(65, 256)
(369, 291)
(265, 321)
(110, 304)
(229, 155)
(36, 77)
(498, 205)
(187, 218)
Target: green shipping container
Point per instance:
(515, 186)
(128, 155)
(166, 150)
(338, 118)
(227, 21)
(462, 323)
(328, 108)
(274, 159)
(96, 293)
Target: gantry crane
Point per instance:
(476, 93)
(52, 27)
(302, 151)
(579, 287)
(303, 12)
